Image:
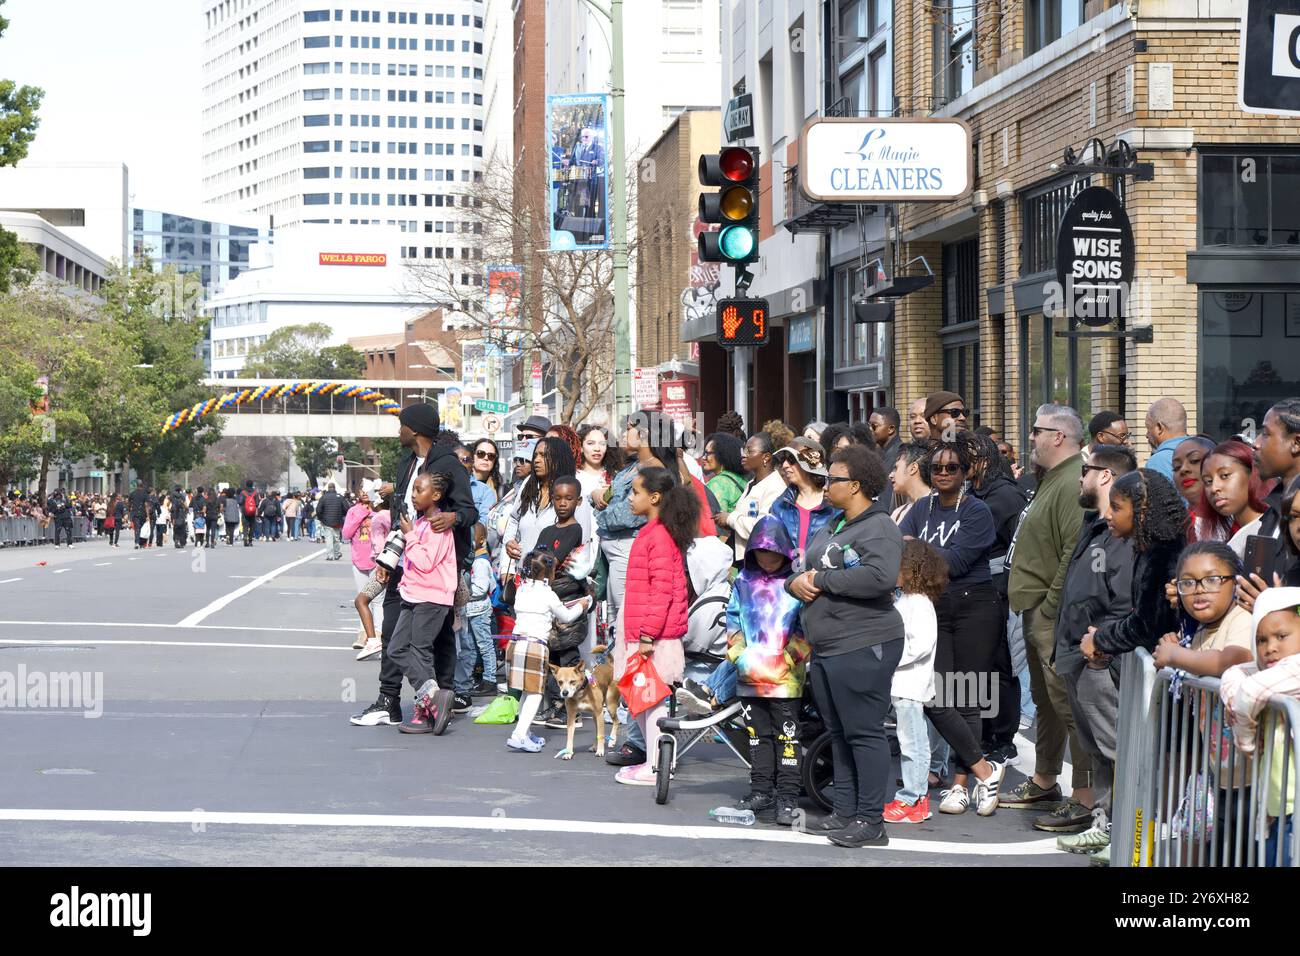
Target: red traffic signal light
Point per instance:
(735, 206)
(742, 322)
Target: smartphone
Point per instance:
(1261, 557)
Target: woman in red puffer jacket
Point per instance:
(655, 602)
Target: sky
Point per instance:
(122, 83)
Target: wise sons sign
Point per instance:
(1094, 258)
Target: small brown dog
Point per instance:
(592, 696)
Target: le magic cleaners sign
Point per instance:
(353, 259)
(843, 159)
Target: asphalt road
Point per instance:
(224, 739)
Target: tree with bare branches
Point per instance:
(566, 313)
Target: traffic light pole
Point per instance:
(618, 220)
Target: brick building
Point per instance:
(672, 284)
(1216, 229)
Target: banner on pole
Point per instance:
(505, 292)
(578, 127)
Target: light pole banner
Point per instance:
(578, 127)
(505, 291)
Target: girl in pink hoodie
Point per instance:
(428, 591)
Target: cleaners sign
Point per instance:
(1094, 257)
(885, 160)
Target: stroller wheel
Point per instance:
(819, 772)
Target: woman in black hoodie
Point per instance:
(1146, 508)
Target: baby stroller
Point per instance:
(705, 645)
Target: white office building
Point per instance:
(349, 278)
(498, 81)
(86, 202)
(344, 116)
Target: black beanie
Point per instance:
(421, 419)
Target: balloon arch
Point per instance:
(284, 390)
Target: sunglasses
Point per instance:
(958, 412)
(835, 479)
(952, 468)
(464, 459)
(486, 455)
(1088, 468)
(1041, 428)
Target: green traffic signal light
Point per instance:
(736, 243)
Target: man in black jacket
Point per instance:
(138, 505)
(417, 433)
(992, 485)
(180, 517)
(885, 423)
(330, 513)
(61, 510)
(212, 509)
(1097, 590)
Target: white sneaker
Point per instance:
(360, 642)
(372, 648)
(986, 791)
(955, 800)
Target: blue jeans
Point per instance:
(333, 542)
(914, 750)
(939, 753)
(1270, 846)
(293, 527)
(474, 641)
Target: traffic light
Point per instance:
(734, 207)
(742, 322)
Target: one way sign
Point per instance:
(1269, 69)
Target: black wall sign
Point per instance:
(738, 120)
(1269, 70)
(1094, 258)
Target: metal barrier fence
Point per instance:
(15, 532)
(1184, 794)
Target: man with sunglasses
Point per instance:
(946, 414)
(1107, 428)
(1097, 590)
(1038, 559)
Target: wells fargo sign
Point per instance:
(353, 259)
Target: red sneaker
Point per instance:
(898, 812)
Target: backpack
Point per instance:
(250, 505)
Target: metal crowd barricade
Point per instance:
(28, 531)
(1184, 794)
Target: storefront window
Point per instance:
(1247, 348)
(961, 374)
(1250, 199)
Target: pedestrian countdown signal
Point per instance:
(742, 322)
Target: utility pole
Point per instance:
(618, 236)
(618, 219)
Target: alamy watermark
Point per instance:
(25, 689)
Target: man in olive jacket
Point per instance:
(1038, 560)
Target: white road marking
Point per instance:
(10, 580)
(61, 570)
(103, 564)
(221, 602)
(196, 627)
(1043, 847)
(97, 643)
(137, 558)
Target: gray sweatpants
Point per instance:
(1094, 701)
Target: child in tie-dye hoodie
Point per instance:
(765, 641)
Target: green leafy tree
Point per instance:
(18, 122)
(45, 333)
(155, 323)
(315, 456)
